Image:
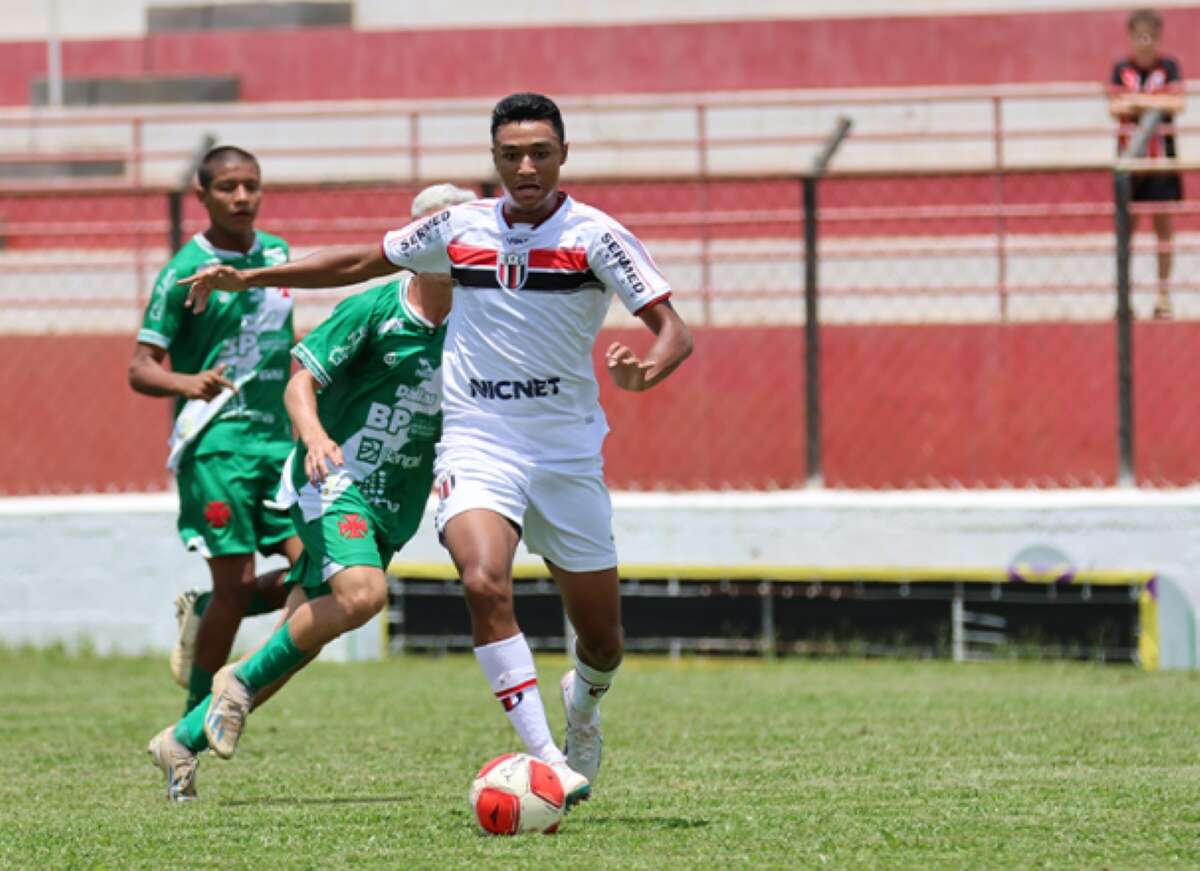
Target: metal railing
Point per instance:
(779, 130)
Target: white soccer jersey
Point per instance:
(528, 303)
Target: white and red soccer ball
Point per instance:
(516, 793)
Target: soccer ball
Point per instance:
(517, 793)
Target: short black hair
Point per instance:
(204, 172)
(1144, 16)
(527, 107)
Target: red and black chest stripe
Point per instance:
(545, 270)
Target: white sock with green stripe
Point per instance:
(508, 666)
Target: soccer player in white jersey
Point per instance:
(534, 273)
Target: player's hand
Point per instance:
(203, 283)
(625, 368)
(324, 454)
(206, 384)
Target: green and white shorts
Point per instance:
(221, 510)
(346, 534)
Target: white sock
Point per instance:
(508, 666)
(589, 687)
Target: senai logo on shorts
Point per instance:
(352, 526)
(217, 514)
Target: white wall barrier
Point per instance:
(103, 570)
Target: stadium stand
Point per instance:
(972, 210)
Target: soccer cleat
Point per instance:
(584, 743)
(227, 712)
(185, 645)
(175, 761)
(575, 786)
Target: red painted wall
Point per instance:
(74, 424)
(979, 405)
(339, 63)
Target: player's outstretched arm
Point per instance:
(672, 345)
(1120, 104)
(1170, 102)
(148, 375)
(332, 267)
(323, 453)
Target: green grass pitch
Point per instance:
(710, 764)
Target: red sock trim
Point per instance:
(532, 682)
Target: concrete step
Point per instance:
(141, 90)
(248, 16)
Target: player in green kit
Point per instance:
(229, 368)
(367, 409)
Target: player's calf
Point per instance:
(361, 595)
(488, 594)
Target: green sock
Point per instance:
(259, 605)
(201, 603)
(189, 731)
(271, 661)
(199, 685)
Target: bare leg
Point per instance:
(1163, 232)
(593, 604)
(269, 585)
(358, 594)
(482, 544)
(233, 588)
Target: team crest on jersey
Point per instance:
(512, 268)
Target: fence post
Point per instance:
(175, 219)
(998, 194)
(705, 215)
(958, 642)
(1122, 188)
(175, 194)
(767, 641)
(1122, 194)
(812, 326)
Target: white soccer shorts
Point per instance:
(562, 508)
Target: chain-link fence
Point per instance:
(967, 329)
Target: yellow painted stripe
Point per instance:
(1148, 634)
(794, 574)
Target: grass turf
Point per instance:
(710, 763)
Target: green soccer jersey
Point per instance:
(250, 332)
(379, 366)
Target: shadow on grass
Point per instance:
(650, 822)
(344, 799)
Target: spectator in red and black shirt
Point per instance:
(1149, 80)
